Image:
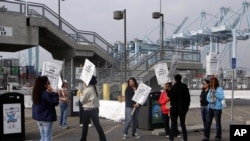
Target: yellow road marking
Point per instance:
(64, 132)
(111, 129)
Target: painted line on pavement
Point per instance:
(229, 114)
(111, 129)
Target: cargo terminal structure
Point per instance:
(27, 25)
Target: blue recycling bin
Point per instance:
(12, 126)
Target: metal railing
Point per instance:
(80, 36)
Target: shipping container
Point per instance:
(30, 69)
(14, 70)
(14, 62)
(6, 62)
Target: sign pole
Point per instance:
(233, 67)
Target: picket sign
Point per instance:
(87, 71)
(175, 61)
(141, 95)
(52, 71)
(161, 73)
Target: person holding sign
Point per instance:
(63, 104)
(179, 101)
(43, 108)
(90, 104)
(129, 106)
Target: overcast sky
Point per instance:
(97, 16)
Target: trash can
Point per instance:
(12, 127)
(150, 116)
(74, 103)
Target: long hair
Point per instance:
(38, 88)
(214, 82)
(134, 80)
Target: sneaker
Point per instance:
(124, 137)
(135, 135)
(65, 127)
(167, 136)
(81, 125)
(90, 125)
(178, 136)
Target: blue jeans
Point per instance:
(63, 114)
(46, 129)
(204, 115)
(213, 113)
(129, 118)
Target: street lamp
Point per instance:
(157, 15)
(118, 15)
(59, 14)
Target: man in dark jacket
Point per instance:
(179, 101)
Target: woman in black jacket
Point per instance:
(203, 101)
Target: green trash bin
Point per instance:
(150, 116)
(12, 126)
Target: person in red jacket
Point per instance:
(165, 109)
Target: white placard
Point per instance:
(141, 94)
(5, 31)
(87, 71)
(12, 118)
(52, 71)
(212, 64)
(174, 63)
(161, 73)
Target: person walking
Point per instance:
(179, 101)
(214, 98)
(80, 92)
(164, 102)
(204, 103)
(43, 107)
(90, 102)
(63, 104)
(129, 106)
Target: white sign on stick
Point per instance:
(212, 64)
(52, 71)
(141, 94)
(87, 71)
(161, 72)
(174, 63)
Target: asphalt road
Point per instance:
(114, 131)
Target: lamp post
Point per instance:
(157, 15)
(59, 14)
(118, 15)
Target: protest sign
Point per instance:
(175, 60)
(141, 94)
(87, 71)
(161, 73)
(52, 71)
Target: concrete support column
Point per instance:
(106, 91)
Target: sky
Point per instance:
(97, 16)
